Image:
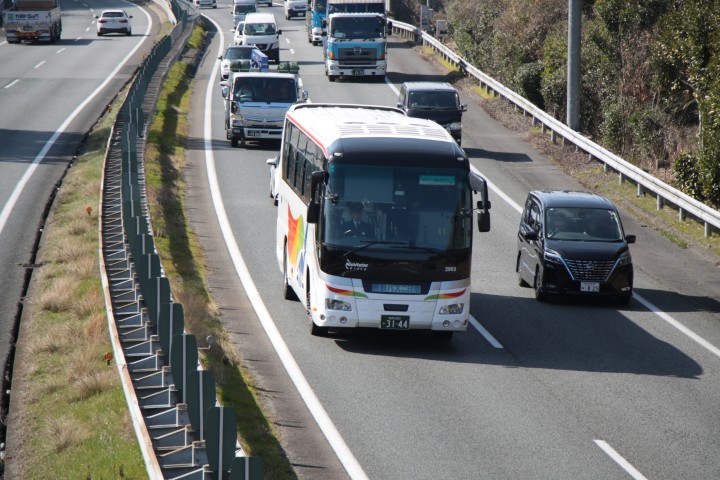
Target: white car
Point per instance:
(238, 30)
(295, 8)
(274, 172)
(267, 3)
(113, 21)
(234, 52)
(206, 3)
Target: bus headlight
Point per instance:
(452, 309)
(332, 304)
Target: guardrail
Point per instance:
(664, 193)
(183, 431)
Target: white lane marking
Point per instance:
(20, 186)
(39, 65)
(624, 464)
(488, 336)
(697, 338)
(3, 42)
(337, 443)
(87, 29)
(292, 52)
(12, 83)
(287, 40)
(78, 39)
(62, 49)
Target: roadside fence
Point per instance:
(183, 431)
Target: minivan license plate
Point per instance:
(395, 322)
(589, 287)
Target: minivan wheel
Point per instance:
(540, 295)
(624, 300)
(521, 281)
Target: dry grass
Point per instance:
(58, 296)
(64, 433)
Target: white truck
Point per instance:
(34, 20)
(256, 102)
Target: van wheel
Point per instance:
(331, 78)
(540, 294)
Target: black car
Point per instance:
(434, 101)
(573, 243)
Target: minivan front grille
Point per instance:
(590, 269)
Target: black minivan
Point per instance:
(573, 243)
(436, 101)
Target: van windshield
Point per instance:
(431, 100)
(255, 29)
(239, 9)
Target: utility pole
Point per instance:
(573, 66)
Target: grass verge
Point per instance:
(70, 415)
(184, 265)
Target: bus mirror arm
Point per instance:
(479, 184)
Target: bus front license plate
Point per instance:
(395, 322)
(589, 287)
(358, 71)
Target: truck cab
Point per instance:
(256, 102)
(355, 45)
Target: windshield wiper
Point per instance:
(369, 243)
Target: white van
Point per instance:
(261, 30)
(240, 8)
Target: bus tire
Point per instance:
(442, 335)
(288, 292)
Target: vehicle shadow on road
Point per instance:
(562, 334)
(509, 157)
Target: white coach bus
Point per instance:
(375, 219)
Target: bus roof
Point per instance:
(338, 126)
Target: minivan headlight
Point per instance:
(625, 259)
(551, 255)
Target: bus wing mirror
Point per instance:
(479, 185)
(313, 211)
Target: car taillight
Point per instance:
(102, 21)
(123, 21)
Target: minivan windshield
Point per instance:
(585, 224)
(433, 100)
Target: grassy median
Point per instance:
(71, 418)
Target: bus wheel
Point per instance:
(288, 292)
(442, 335)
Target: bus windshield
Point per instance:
(372, 207)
